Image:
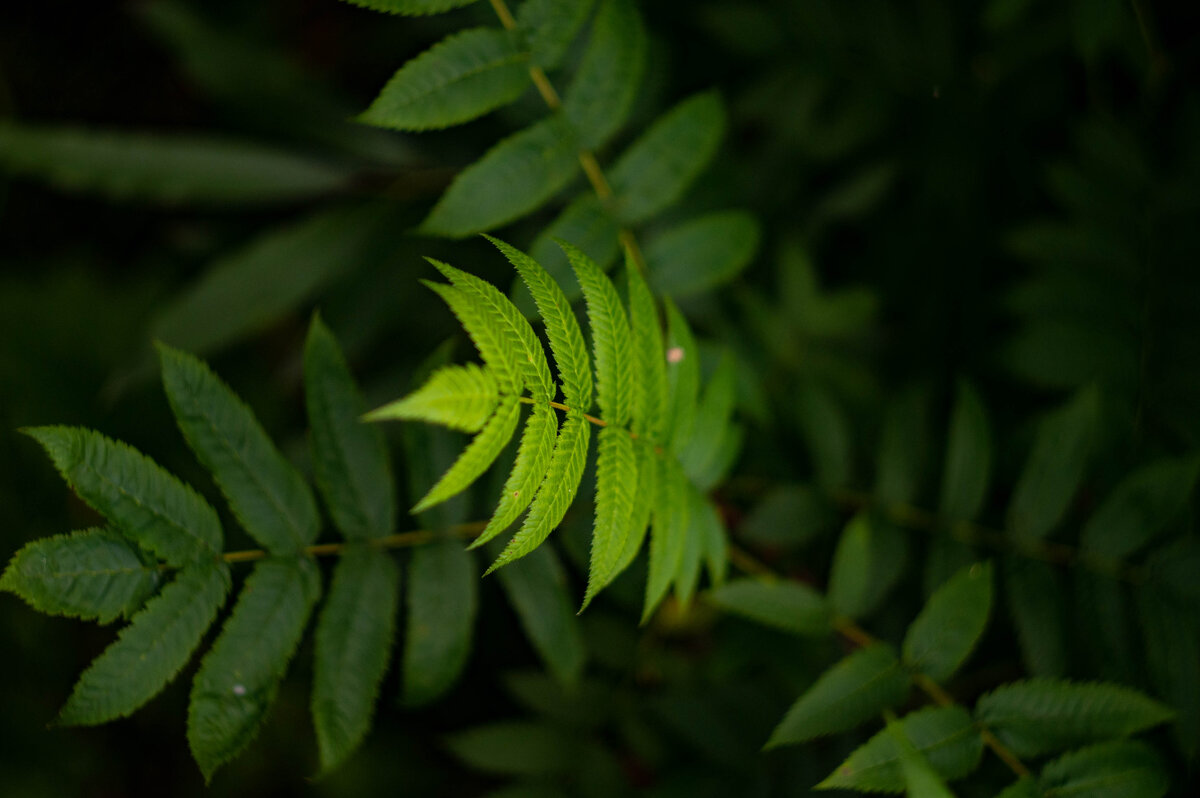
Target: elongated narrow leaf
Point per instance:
(556, 493)
(942, 637)
(1037, 605)
(239, 677)
(901, 464)
(1042, 716)
(856, 689)
(1140, 507)
(1055, 467)
(147, 504)
(658, 167)
(1123, 769)
(411, 7)
(515, 748)
(265, 491)
(515, 332)
(687, 574)
(459, 79)
(529, 470)
(550, 26)
(536, 587)
(668, 533)
(968, 457)
(616, 489)
(442, 600)
(480, 453)
(149, 651)
(850, 584)
(648, 474)
(255, 286)
(715, 546)
(585, 224)
(943, 736)
(486, 332)
(607, 81)
(709, 424)
(792, 606)
(170, 170)
(611, 342)
(562, 328)
(1172, 650)
(651, 390)
(702, 253)
(459, 397)
(828, 434)
(95, 574)
(350, 458)
(512, 179)
(354, 640)
(683, 377)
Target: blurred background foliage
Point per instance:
(1004, 192)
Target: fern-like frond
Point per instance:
(616, 489)
(485, 332)
(611, 344)
(533, 460)
(562, 329)
(459, 397)
(479, 454)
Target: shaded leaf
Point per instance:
(1140, 507)
(442, 599)
(550, 26)
(1038, 607)
(668, 533)
(968, 457)
(610, 74)
(411, 7)
(945, 633)
(702, 253)
(515, 748)
(850, 587)
(1109, 770)
(792, 606)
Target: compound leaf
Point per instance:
(460, 78)
(148, 505)
(353, 645)
(94, 574)
(148, 652)
(264, 490)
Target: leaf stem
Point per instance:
(399, 540)
(587, 159)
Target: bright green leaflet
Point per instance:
(461, 397)
(791, 606)
(683, 378)
(616, 489)
(651, 391)
(687, 574)
(442, 601)
(148, 505)
(265, 491)
(1042, 716)
(350, 458)
(942, 637)
(611, 344)
(858, 688)
(354, 640)
(486, 333)
(648, 474)
(462, 77)
(713, 416)
(239, 677)
(529, 471)
(151, 650)
(667, 533)
(480, 453)
(95, 574)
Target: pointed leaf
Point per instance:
(616, 487)
(562, 328)
(657, 168)
(459, 397)
(147, 504)
(411, 7)
(607, 81)
(945, 633)
(1172, 650)
(1109, 770)
(550, 26)
(968, 457)
(712, 419)
(354, 641)
(1025, 788)
(512, 179)
(262, 282)
(442, 600)
(1037, 605)
(529, 471)
(515, 333)
(668, 533)
(792, 606)
(702, 253)
(1042, 716)
(611, 342)
(683, 378)
(850, 584)
(687, 575)
(942, 736)
(170, 170)
(462, 77)
(536, 587)
(515, 748)
(556, 493)
(856, 689)
(151, 650)
(480, 453)
(651, 390)
(350, 458)
(586, 224)
(827, 432)
(486, 332)
(900, 467)
(1055, 467)
(239, 677)
(643, 505)
(1140, 508)
(266, 492)
(95, 574)
(715, 547)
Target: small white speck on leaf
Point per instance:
(675, 354)
(239, 689)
